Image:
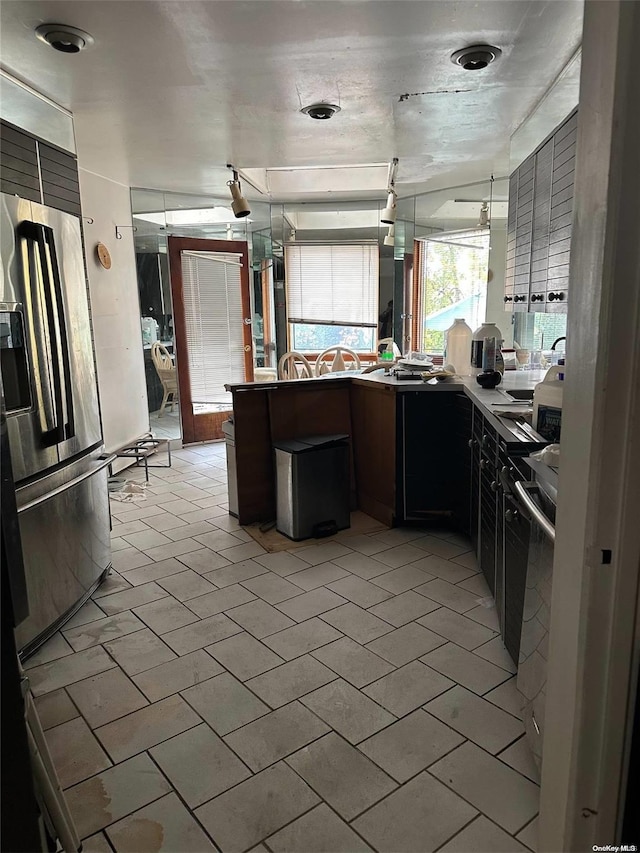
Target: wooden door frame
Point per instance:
(209, 426)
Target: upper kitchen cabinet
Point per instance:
(539, 225)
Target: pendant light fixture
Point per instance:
(239, 205)
(388, 215)
(390, 239)
(484, 215)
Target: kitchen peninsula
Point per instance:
(415, 445)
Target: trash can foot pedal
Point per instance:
(324, 528)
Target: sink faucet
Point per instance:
(557, 341)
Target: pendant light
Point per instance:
(388, 215)
(390, 239)
(239, 205)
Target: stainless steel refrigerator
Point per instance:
(52, 411)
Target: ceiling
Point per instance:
(172, 90)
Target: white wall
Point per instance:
(495, 312)
(115, 311)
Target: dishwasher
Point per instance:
(538, 500)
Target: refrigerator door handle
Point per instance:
(102, 463)
(57, 319)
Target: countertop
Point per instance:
(483, 398)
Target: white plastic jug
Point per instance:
(149, 330)
(458, 346)
(547, 404)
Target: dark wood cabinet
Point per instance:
(37, 171)
(539, 225)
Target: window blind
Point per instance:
(214, 323)
(332, 284)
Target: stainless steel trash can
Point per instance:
(312, 485)
(229, 432)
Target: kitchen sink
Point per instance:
(520, 393)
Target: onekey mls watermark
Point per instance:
(613, 848)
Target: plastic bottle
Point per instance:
(458, 346)
(486, 330)
(547, 403)
(489, 354)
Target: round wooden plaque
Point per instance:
(104, 256)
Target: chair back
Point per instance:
(338, 362)
(163, 363)
(293, 365)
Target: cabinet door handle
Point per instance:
(494, 486)
(559, 296)
(511, 514)
(508, 298)
(537, 297)
(483, 464)
(471, 443)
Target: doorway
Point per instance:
(212, 319)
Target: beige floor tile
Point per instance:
(467, 560)
(357, 623)
(139, 651)
(134, 597)
(319, 575)
(457, 628)
(96, 844)
(165, 615)
(399, 536)
(201, 634)
(495, 789)
(290, 681)
(311, 603)
(507, 697)
(102, 630)
(218, 539)
(186, 585)
(399, 556)
(255, 809)
(520, 757)
(361, 564)
(317, 831)
(485, 614)
(276, 735)
(282, 563)
(148, 726)
(407, 688)
(245, 551)
(114, 793)
(178, 506)
(54, 649)
(105, 697)
(449, 595)
(123, 513)
(154, 571)
(219, 600)
(466, 668)
(259, 618)
(210, 513)
(164, 826)
(362, 543)
(75, 752)
(402, 579)
(166, 521)
(476, 719)
(59, 673)
(360, 592)
(146, 539)
(410, 745)
(111, 584)
(529, 835)
(482, 836)
(199, 765)
(89, 612)
(321, 553)
(417, 818)
(347, 710)
(177, 674)
(55, 708)
(225, 703)
(302, 638)
(190, 530)
(495, 652)
(345, 778)
(123, 529)
(173, 549)
(271, 588)
(129, 558)
(235, 573)
(244, 656)
(203, 561)
(353, 662)
(447, 570)
(476, 584)
(403, 608)
(442, 547)
(406, 644)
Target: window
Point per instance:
(332, 296)
(450, 280)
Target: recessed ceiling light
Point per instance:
(64, 38)
(322, 112)
(476, 57)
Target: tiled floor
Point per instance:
(351, 695)
(167, 426)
